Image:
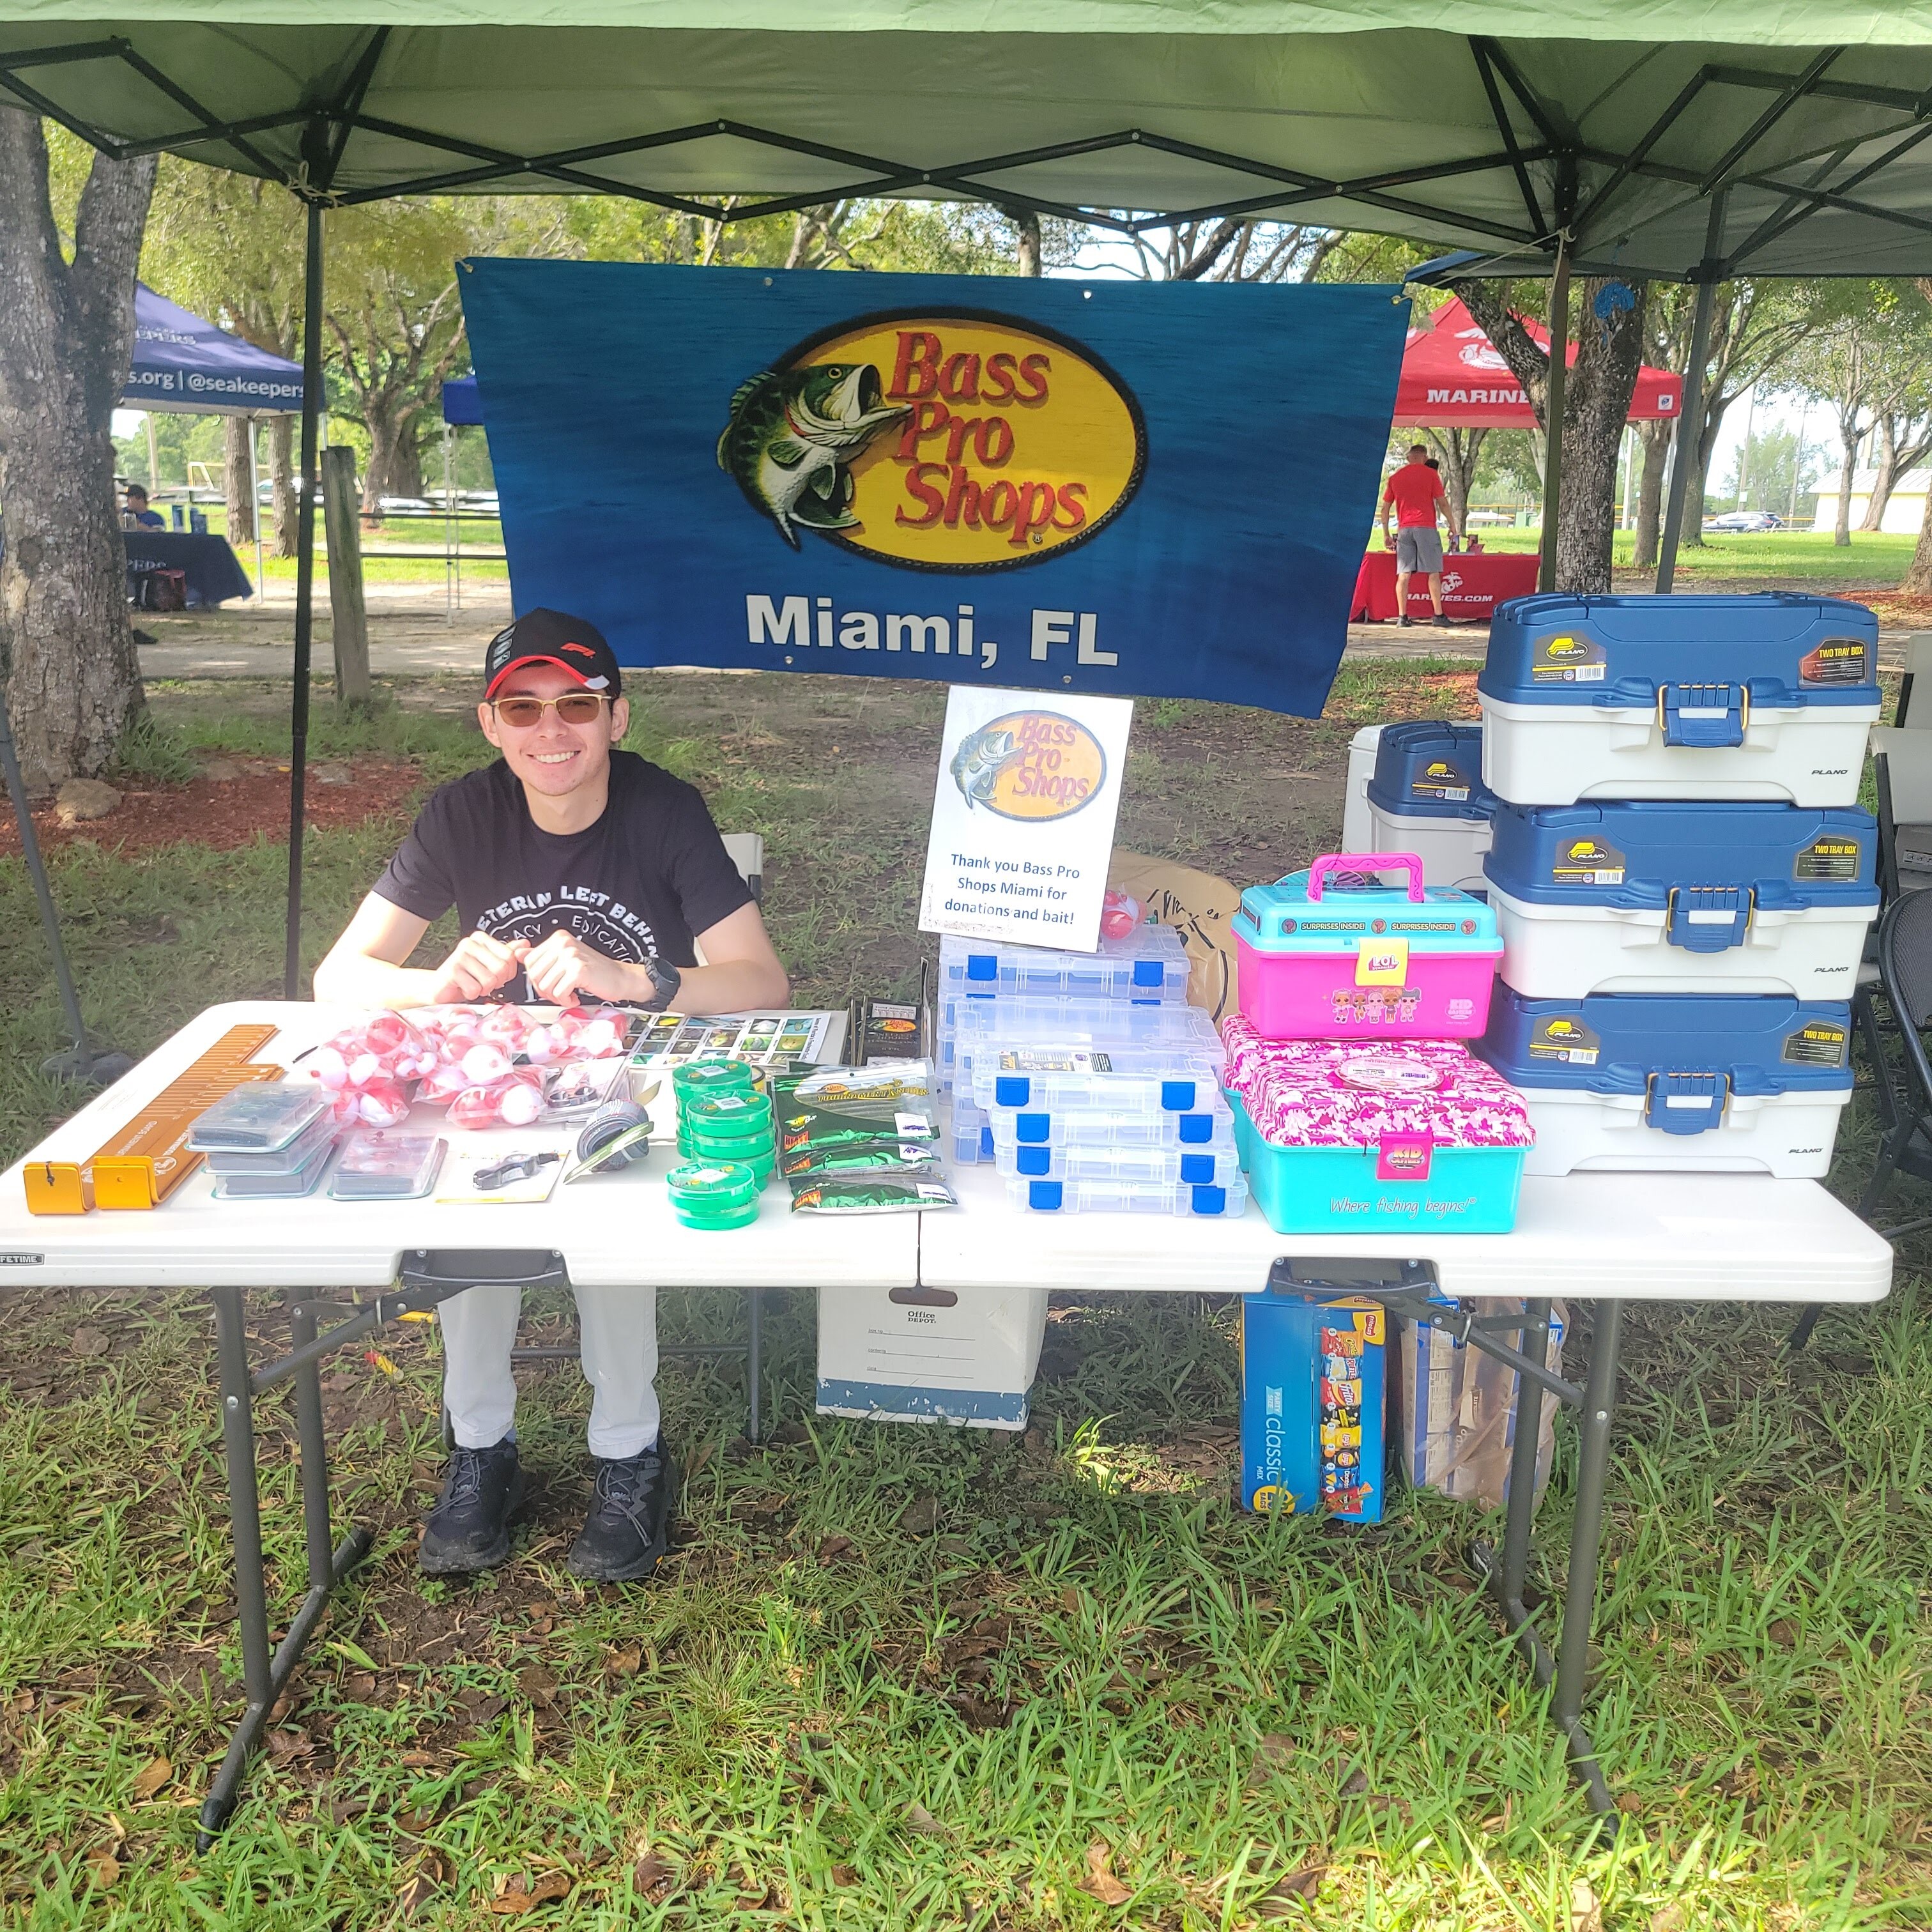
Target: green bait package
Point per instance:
(873, 1193)
(837, 1106)
(879, 1156)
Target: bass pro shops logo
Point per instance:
(1030, 765)
(938, 439)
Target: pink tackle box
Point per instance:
(1332, 953)
(1343, 1135)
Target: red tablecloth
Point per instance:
(1472, 586)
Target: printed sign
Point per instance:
(1109, 488)
(1023, 818)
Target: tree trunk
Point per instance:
(237, 482)
(1457, 451)
(1917, 578)
(67, 334)
(395, 465)
(1848, 440)
(1596, 407)
(1026, 250)
(1655, 437)
(282, 492)
(1885, 474)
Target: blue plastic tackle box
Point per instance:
(1427, 796)
(1656, 896)
(1758, 696)
(1697, 1082)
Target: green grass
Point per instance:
(820, 1717)
(1878, 558)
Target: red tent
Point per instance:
(1453, 378)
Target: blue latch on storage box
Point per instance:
(1704, 716)
(1686, 1103)
(1708, 919)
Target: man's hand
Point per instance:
(562, 967)
(1388, 542)
(478, 966)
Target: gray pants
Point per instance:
(1418, 547)
(620, 1330)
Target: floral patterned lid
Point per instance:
(1316, 1093)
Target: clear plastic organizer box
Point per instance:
(1164, 1166)
(1208, 1127)
(1150, 964)
(1129, 1079)
(996, 1025)
(1128, 1197)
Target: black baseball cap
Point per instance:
(549, 636)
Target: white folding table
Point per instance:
(1603, 1238)
(405, 1256)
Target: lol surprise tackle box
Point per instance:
(1312, 1428)
(1332, 953)
(1354, 1136)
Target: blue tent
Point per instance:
(183, 364)
(462, 401)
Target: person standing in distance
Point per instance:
(577, 871)
(1414, 491)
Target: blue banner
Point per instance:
(1118, 487)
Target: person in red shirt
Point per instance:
(1413, 493)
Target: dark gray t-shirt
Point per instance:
(647, 877)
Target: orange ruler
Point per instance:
(143, 1163)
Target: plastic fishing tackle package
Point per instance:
(918, 1158)
(870, 1193)
(839, 1106)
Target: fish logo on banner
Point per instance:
(950, 439)
(1030, 765)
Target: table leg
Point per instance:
(1586, 1536)
(244, 1514)
(754, 1322)
(265, 1677)
(1514, 1575)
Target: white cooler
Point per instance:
(1765, 697)
(1711, 1084)
(1648, 896)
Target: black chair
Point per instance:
(1903, 1085)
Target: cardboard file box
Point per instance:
(929, 1355)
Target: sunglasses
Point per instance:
(574, 707)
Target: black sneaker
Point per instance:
(1405, 620)
(1442, 622)
(628, 1527)
(470, 1527)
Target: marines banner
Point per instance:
(1115, 487)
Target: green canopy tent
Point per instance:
(1691, 139)
(1661, 138)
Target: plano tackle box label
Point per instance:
(1818, 1043)
(1563, 657)
(1828, 858)
(1589, 861)
(1442, 779)
(1560, 1038)
(1053, 1060)
(1836, 661)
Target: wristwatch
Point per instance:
(665, 980)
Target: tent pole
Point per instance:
(1690, 419)
(448, 532)
(1552, 413)
(305, 590)
(255, 505)
(154, 457)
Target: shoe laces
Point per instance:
(620, 1485)
(465, 1484)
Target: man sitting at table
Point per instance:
(577, 871)
(1413, 493)
(138, 516)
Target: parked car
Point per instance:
(1745, 520)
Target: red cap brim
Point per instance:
(536, 658)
